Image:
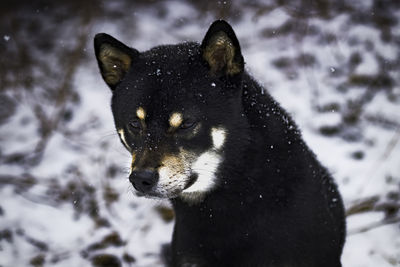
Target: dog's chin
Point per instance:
(161, 193)
(152, 195)
(139, 194)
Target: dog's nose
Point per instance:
(144, 180)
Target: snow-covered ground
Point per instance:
(66, 201)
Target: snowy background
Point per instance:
(64, 195)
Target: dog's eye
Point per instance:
(187, 124)
(134, 125)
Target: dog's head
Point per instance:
(175, 109)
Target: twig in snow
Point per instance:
(374, 225)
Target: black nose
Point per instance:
(143, 181)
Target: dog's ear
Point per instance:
(114, 58)
(221, 50)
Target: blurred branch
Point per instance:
(61, 99)
(374, 225)
(392, 144)
(390, 207)
(20, 183)
(380, 161)
(375, 204)
(381, 120)
(49, 124)
(362, 206)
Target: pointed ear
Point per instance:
(221, 50)
(114, 58)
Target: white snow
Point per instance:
(85, 150)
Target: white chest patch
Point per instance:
(218, 137)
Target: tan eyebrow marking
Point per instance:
(141, 113)
(176, 119)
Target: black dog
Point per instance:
(246, 189)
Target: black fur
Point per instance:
(274, 204)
